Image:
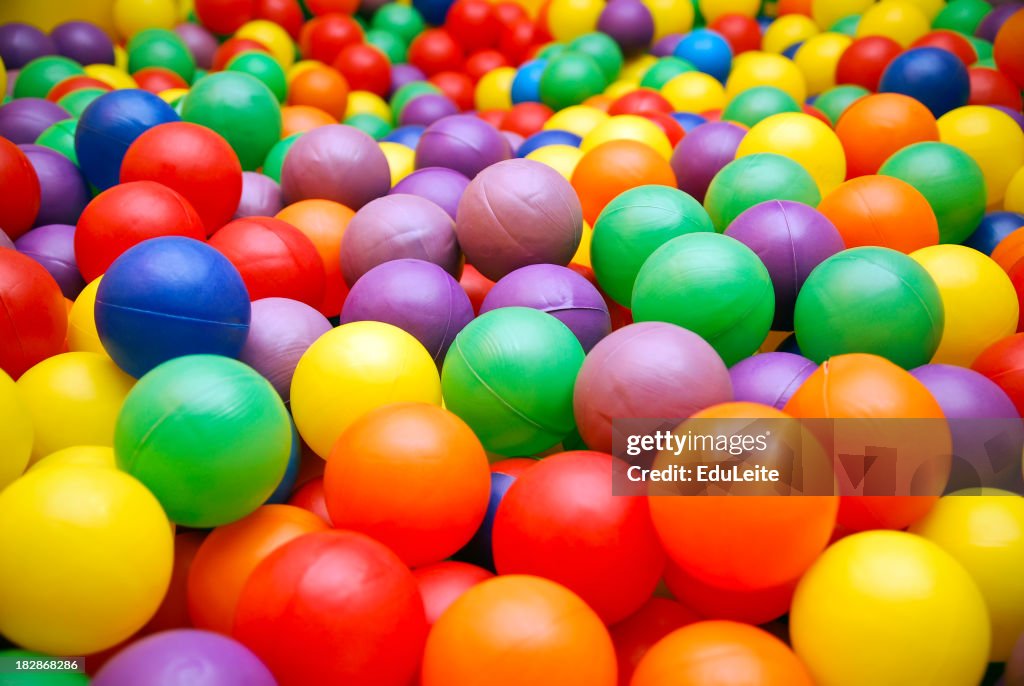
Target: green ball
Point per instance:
(663, 71)
(634, 225)
(760, 102)
(36, 677)
(847, 25)
(263, 67)
(207, 435)
(61, 137)
(401, 20)
(569, 79)
(835, 101)
(949, 179)
(988, 63)
(962, 15)
(393, 47)
(160, 48)
(37, 78)
(370, 124)
(241, 109)
(753, 179)
(551, 50)
(200, 73)
(509, 375)
(605, 51)
(869, 300)
(75, 102)
(274, 162)
(712, 285)
(409, 91)
(983, 48)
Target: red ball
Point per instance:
(285, 13)
(1016, 275)
(333, 607)
(310, 496)
(950, 41)
(492, 117)
(993, 87)
(19, 200)
(483, 61)
(158, 79)
(640, 101)
(560, 520)
(669, 125)
(124, 216)
(526, 118)
(434, 51)
(232, 47)
(74, 83)
(322, 38)
(224, 16)
(365, 68)
(476, 285)
(863, 62)
(319, 7)
(456, 86)
(517, 40)
(192, 160)
(743, 33)
(817, 114)
(275, 259)
(1003, 363)
(757, 606)
(634, 635)
(442, 583)
(508, 13)
(473, 24)
(33, 315)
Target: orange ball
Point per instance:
(614, 167)
(723, 654)
(759, 606)
(324, 222)
(514, 630)
(875, 127)
(321, 87)
(413, 476)
(881, 210)
(302, 118)
(1010, 250)
(635, 635)
(1007, 49)
(230, 553)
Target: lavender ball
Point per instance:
(769, 378)
(444, 187)
(462, 142)
(261, 196)
(53, 246)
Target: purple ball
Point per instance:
(12, 78)
(1013, 114)
(336, 162)
(402, 74)
(22, 120)
(53, 246)
(261, 196)
(560, 292)
(666, 46)
(280, 331)
(5, 240)
(64, 192)
(396, 227)
(200, 42)
(994, 20)
(416, 296)
(769, 378)
(629, 23)
(444, 187)
(185, 656)
(424, 110)
(514, 140)
(964, 393)
(702, 153)
(791, 239)
(21, 43)
(83, 42)
(463, 142)
(516, 213)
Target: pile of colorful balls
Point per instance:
(316, 317)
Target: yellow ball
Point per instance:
(817, 59)
(578, 119)
(3, 76)
(82, 335)
(803, 139)
(78, 455)
(616, 89)
(629, 127)
(888, 607)
(562, 158)
(85, 559)
(900, 20)
(991, 138)
(694, 91)
(985, 533)
(15, 432)
(827, 12)
(569, 19)
(401, 160)
(275, 38)
(299, 67)
(74, 399)
(171, 95)
(765, 69)
(930, 8)
(582, 255)
(365, 102)
(787, 31)
(111, 75)
(979, 301)
(670, 16)
(121, 58)
(353, 369)
(713, 9)
(532, 7)
(634, 69)
(494, 90)
(132, 16)
(1014, 200)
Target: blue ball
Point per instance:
(993, 229)
(688, 120)
(526, 84)
(935, 77)
(109, 125)
(479, 551)
(790, 52)
(408, 136)
(433, 11)
(291, 473)
(168, 297)
(708, 51)
(549, 137)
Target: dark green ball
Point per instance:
(37, 78)
(263, 67)
(569, 79)
(753, 179)
(160, 48)
(664, 70)
(835, 101)
(760, 102)
(605, 51)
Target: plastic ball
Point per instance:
(24, 119)
(21, 43)
(160, 48)
(201, 43)
(803, 139)
(578, 119)
(425, 109)
(132, 16)
(951, 41)
(703, 153)
(569, 19)
(708, 51)
(882, 211)
(82, 335)
(38, 77)
(993, 229)
(1014, 201)
(35, 314)
(962, 15)
(61, 137)
(788, 30)
(16, 434)
(442, 186)
(991, 87)
(261, 196)
(629, 22)
(663, 71)
(766, 69)
(876, 127)
(263, 67)
(320, 87)
(991, 138)
(756, 178)
(326, 153)
(63, 190)
(324, 222)
(818, 58)
(769, 378)
(116, 558)
(864, 61)
(935, 77)
(126, 215)
(897, 19)
(401, 160)
(1006, 54)
(872, 578)
(462, 142)
(443, 583)
(110, 125)
(563, 159)
(694, 92)
(628, 127)
(526, 119)
(435, 51)
(758, 103)
(614, 167)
